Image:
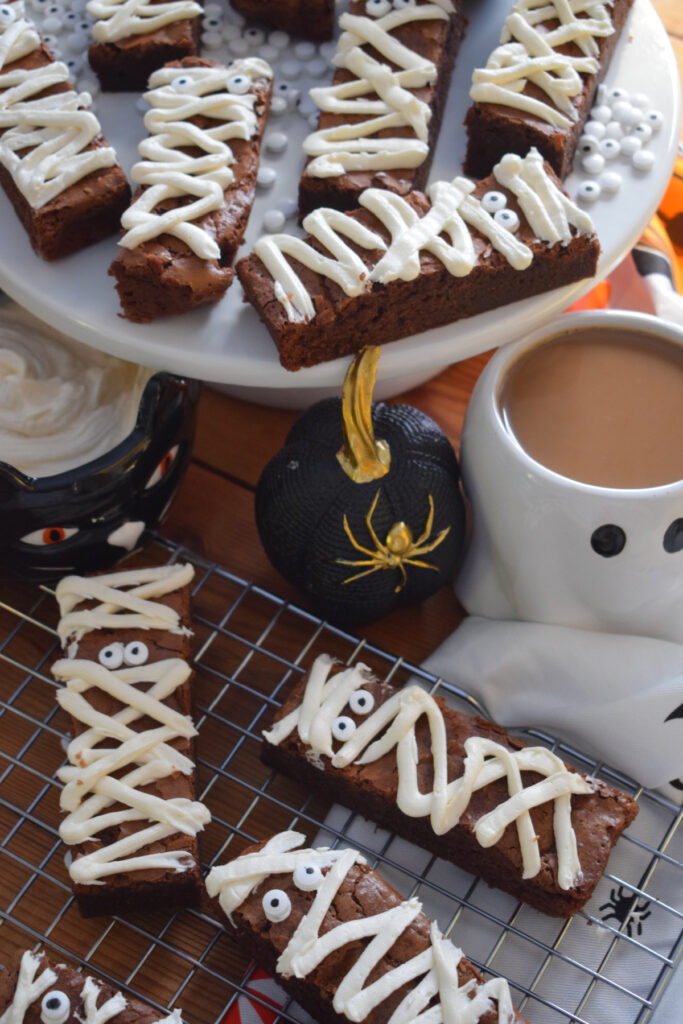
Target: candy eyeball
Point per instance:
(238, 84)
(655, 119)
(135, 653)
(507, 219)
(588, 144)
(589, 191)
(617, 95)
(361, 702)
(277, 905)
(493, 201)
(399, 5)
(307, 877)
(610, 148)
(593, 164)
(343, 728)
(377, 8)
(643, 132)
(182, 83)
(111, 656)
(7, 15)
(55, 1007)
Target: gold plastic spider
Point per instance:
(399, 549)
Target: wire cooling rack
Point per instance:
(608, 963)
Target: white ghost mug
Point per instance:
(547, 548)
(574, 590)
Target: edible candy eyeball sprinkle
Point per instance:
(588, 144)
(238, 84)
(377, 8)
(278, 105)
(7, 15)
(212, 40)
(588, 191)
(254, 36)
(614, 130)
(279, 39)
(610, 182)
(343, 728)
(266, 177)
(307, 877)
(305, 106)
(643, 160)
(181, 83)
(317, 68)
(643, 132)
(655, 119)
(596, 129)
(601, 113)
(276, 905)
(593, 164)
(304, 51)
(276, 142)
(615, 95)
(231, 32)
(630, 145)
(640, 100)
(621, 110)
(238, 47)
(288, 206)
(274, 220)
(507, 219)
(361, 702)
(268, 52)
(610, 149)
(291, 68)
(493, 201)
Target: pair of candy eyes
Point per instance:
(277, 905)
(361, 703)
(115, 655)
(55, 1008)
(58, 534)
(237, 85)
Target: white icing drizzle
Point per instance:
(44, 140)
(30, 988)
(118, 19)
(485, 762)
(550, 214)
(530, 54)
(166, 172)
(382, 95)
(144, 757)
(126, 601)
(436, 966)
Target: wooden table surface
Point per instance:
(213, 513)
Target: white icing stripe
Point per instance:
(30, 988)
(437, 965)
(118, 19)
(166, 172)
(44, 142)
(551, 216)
(131, 608)
(90, 787)
(379, 93)
(531, 55)
(393, 724)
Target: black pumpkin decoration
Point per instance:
(362, 525)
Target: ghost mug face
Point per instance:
(90, 517)
(577, 503)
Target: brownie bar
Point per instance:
(128, 631)
(88, 208)
(163, 275)
(125, 64)
(494, 128)
(436, 40)
(269, 891)
(548, 869)
(60, 993)
(313, 313)
(312, 19)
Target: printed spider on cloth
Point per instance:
(624, 907)
(399, 548)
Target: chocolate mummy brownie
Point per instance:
(129, 785)
(34, 990)
(345, 944)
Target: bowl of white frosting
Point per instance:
(92, 450)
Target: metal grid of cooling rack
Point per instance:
(610, 962)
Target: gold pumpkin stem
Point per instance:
(361, 457)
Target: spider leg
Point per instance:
(404, 578)
(357, 546)
(371, 530)
(422, 565)
(359, 575)
(425, 549)
(428, 525)
(611, 914)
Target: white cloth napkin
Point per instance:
(619, 698)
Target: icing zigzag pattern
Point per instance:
(118, 19)
(392, 726)
(379, 94)
(44, 142)
(530, 54)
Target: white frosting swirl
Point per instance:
(62, 404)
(118, 19)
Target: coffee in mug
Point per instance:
(604, 407)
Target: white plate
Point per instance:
(226, 343)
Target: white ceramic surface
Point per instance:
(530, 556)
(227, 343)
